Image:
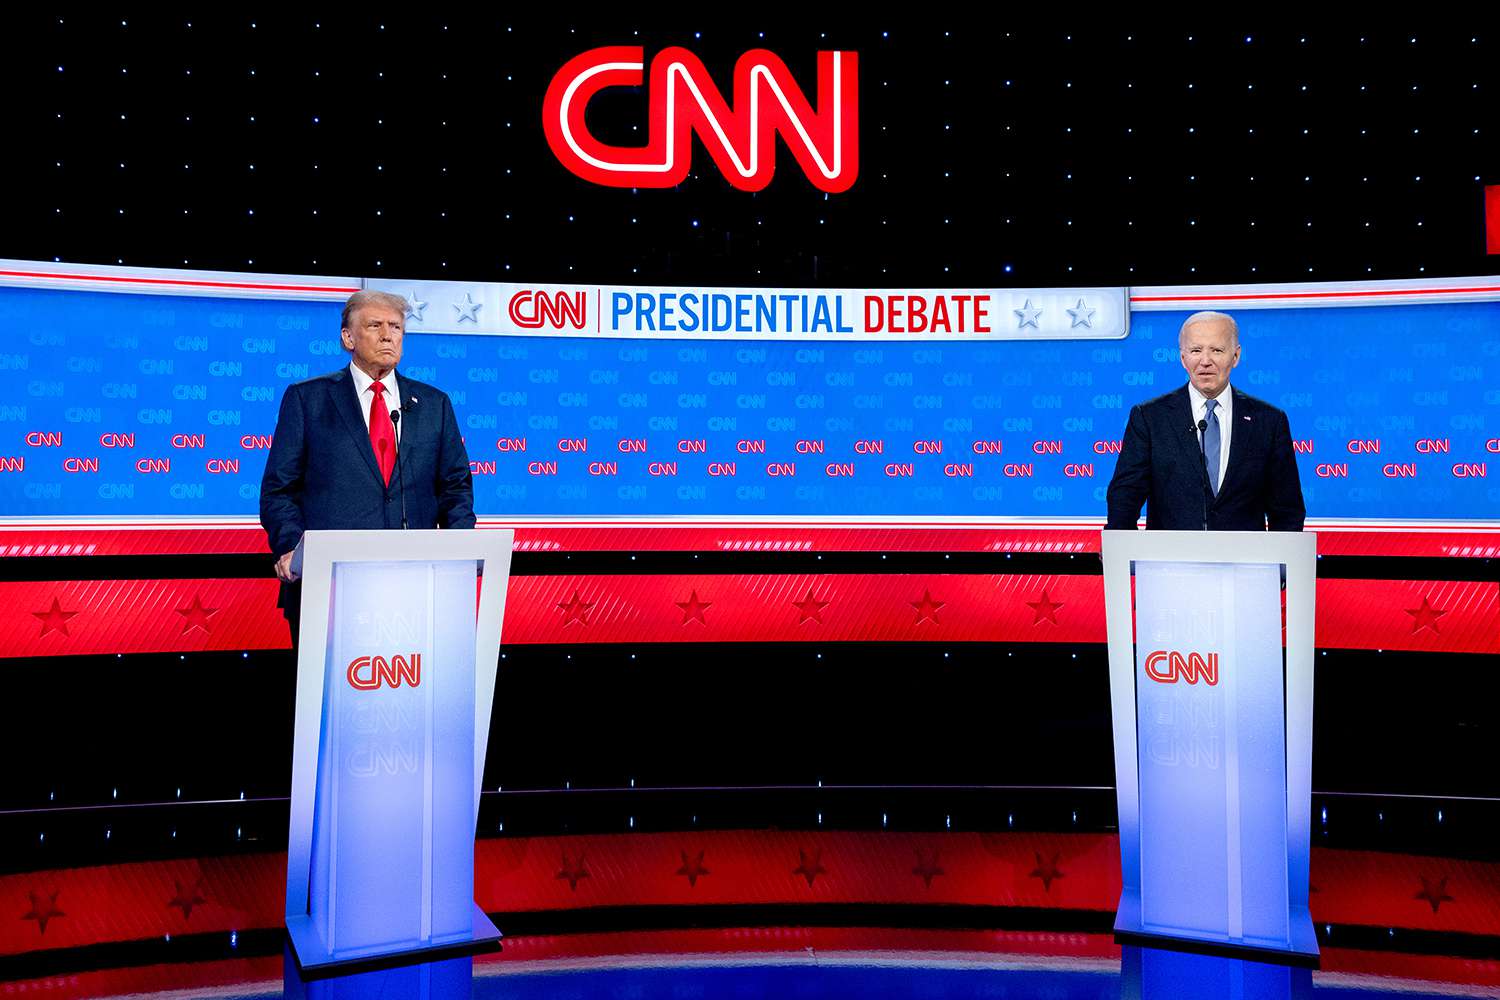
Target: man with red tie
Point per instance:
(339, 459)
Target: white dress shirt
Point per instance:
(362, 384)
(1223, 413)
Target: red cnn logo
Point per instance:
(684, 100)
(1188, 668)
(379, 672)
(533, 310)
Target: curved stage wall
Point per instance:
(912, 572)
(148, 393)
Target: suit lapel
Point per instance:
(1187, 436)
(411, 418)
(347, 405)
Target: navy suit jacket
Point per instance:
(1161, 465)
(321, 470)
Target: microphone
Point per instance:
(400, 472)
(1202, 428)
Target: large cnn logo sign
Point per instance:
(368, 673)
(1169, 667)
(684, 101)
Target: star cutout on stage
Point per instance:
(572, 871)
(575, 611)
(55, 620)
(692, 609)
(414, 306)
(927, 608)
(1044, 609)
(186, 899)
(1028, 316)
(692, 868)
(810, 609)
(468, 309)
(1082, 315)
(43, 908)
(1425, 617)
(1435, 891)
(1047, 871)
(927, 867)
(810, 868)
(196, 616)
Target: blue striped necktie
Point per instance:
(1211, 446)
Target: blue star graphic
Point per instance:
(1083, 315)
(414, 306)
(468, 309)
(1028, 316)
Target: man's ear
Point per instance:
(346, 339)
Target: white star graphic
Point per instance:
(414, 306)
(1028, 316)
(468, 309)
(1083, 315)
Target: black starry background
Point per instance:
(412, 146)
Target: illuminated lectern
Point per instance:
(395, 682)
(1213, 735)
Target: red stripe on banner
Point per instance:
(1435, 545)
(131, 279)
(1492, 218)
(795, 537)
(1356, 293)
(854, 607)
(167, 541)
(1448, 616)
(72, 907)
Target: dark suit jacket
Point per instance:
(321, 470)
(1161, 465)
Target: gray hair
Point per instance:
(366, 297)
(1209, 316)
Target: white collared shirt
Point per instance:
(362, 383)
(1223, 413)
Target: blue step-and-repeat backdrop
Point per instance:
(147, 404)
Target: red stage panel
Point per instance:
(232, 536)
(48, 618)
(139, 616)
(805, 608)
(1068, 871)
(1448, 616)
(72, 907)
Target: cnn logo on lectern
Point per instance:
(369, 673)
(1168, 667)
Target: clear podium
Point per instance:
(395, 683)
(1211, 693)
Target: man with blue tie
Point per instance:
(1207, 456)
(363, 448)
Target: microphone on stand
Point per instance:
(400, 472)
(1202, 428)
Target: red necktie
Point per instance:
(382, 434)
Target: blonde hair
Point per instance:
(367, 297)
